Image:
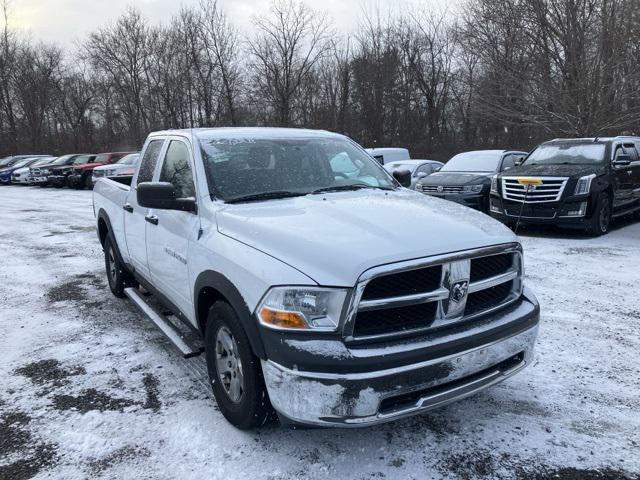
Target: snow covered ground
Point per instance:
(91, 390)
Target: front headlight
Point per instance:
(584, 184)
(494, 184)
(472, 188)
(302, 308)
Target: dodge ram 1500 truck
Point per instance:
(331, 295)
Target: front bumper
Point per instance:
(75, 180)
(478, 201)
(23, 179)
(57, 180)
(361, 398)
(547, 213)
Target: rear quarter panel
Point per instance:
(109, 197)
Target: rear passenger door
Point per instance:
(169, 232)
(624, 174)
(134, 214)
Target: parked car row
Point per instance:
(582, 183)
(77, 170)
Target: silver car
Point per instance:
(418, 168)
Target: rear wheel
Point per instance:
(601, 219)
(117, 276)
(234, 371)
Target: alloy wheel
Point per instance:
(229, 365)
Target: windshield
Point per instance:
(42, 161)
(22, 163)
(473, 162)
(131, 159)
(61, 160)
(6, 162)
(411, 166)
(241, 167)
(568, 153)
(82, 159)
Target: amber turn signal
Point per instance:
(278, 318)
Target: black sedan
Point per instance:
(466, 177)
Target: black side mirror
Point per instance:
(403, 177)
(162, 195)
(437, 169)
(518, 161)
(622, 160)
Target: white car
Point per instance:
(335, 300)
(418, 168)
(125, 167)
(386, 155)
(21, 175)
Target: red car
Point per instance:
(81, 175)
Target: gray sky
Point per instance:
(64, 21)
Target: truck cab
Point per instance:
(310, 295)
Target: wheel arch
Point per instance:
(211, 287)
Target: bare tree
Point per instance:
(287, 46)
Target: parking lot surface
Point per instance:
(92, 390)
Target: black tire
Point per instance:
(602, 216)
(117, 275)
(251, 408)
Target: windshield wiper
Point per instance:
(265, 196)
(353, 186)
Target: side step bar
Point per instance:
(164, 324)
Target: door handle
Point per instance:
(128, 207)
(151, 219)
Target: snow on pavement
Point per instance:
(92, 390)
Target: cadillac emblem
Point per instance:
(440, 189)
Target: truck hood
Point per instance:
(555, 170)
(334, 238)
(456, 178)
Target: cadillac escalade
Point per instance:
(333, 296)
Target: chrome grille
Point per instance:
(441, 188)
(549, 191)
(35, 171)
(469, 284)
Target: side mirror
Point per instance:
(162, 195)
(421, 175)
(518, 161)
(403, 177)
(437, 169)
(622, 160)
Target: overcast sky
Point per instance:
(64, 21)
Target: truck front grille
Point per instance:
(549, 191)
(433, 295)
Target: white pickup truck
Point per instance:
(319, 287)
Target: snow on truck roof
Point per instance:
(251, 132)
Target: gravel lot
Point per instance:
(90, 390)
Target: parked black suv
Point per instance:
(577, 183)
(466, 177)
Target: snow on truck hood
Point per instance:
(334, 238)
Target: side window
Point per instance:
(630, 150)
(426, 168)
(176, 169)
(149, 160)
(508, 162)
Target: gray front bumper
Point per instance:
(360, 399)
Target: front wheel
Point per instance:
(234, 371)
(601, 219)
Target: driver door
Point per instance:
(170, 232)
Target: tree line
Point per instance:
(497, 74)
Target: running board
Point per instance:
(164, 324)
(626, 212)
